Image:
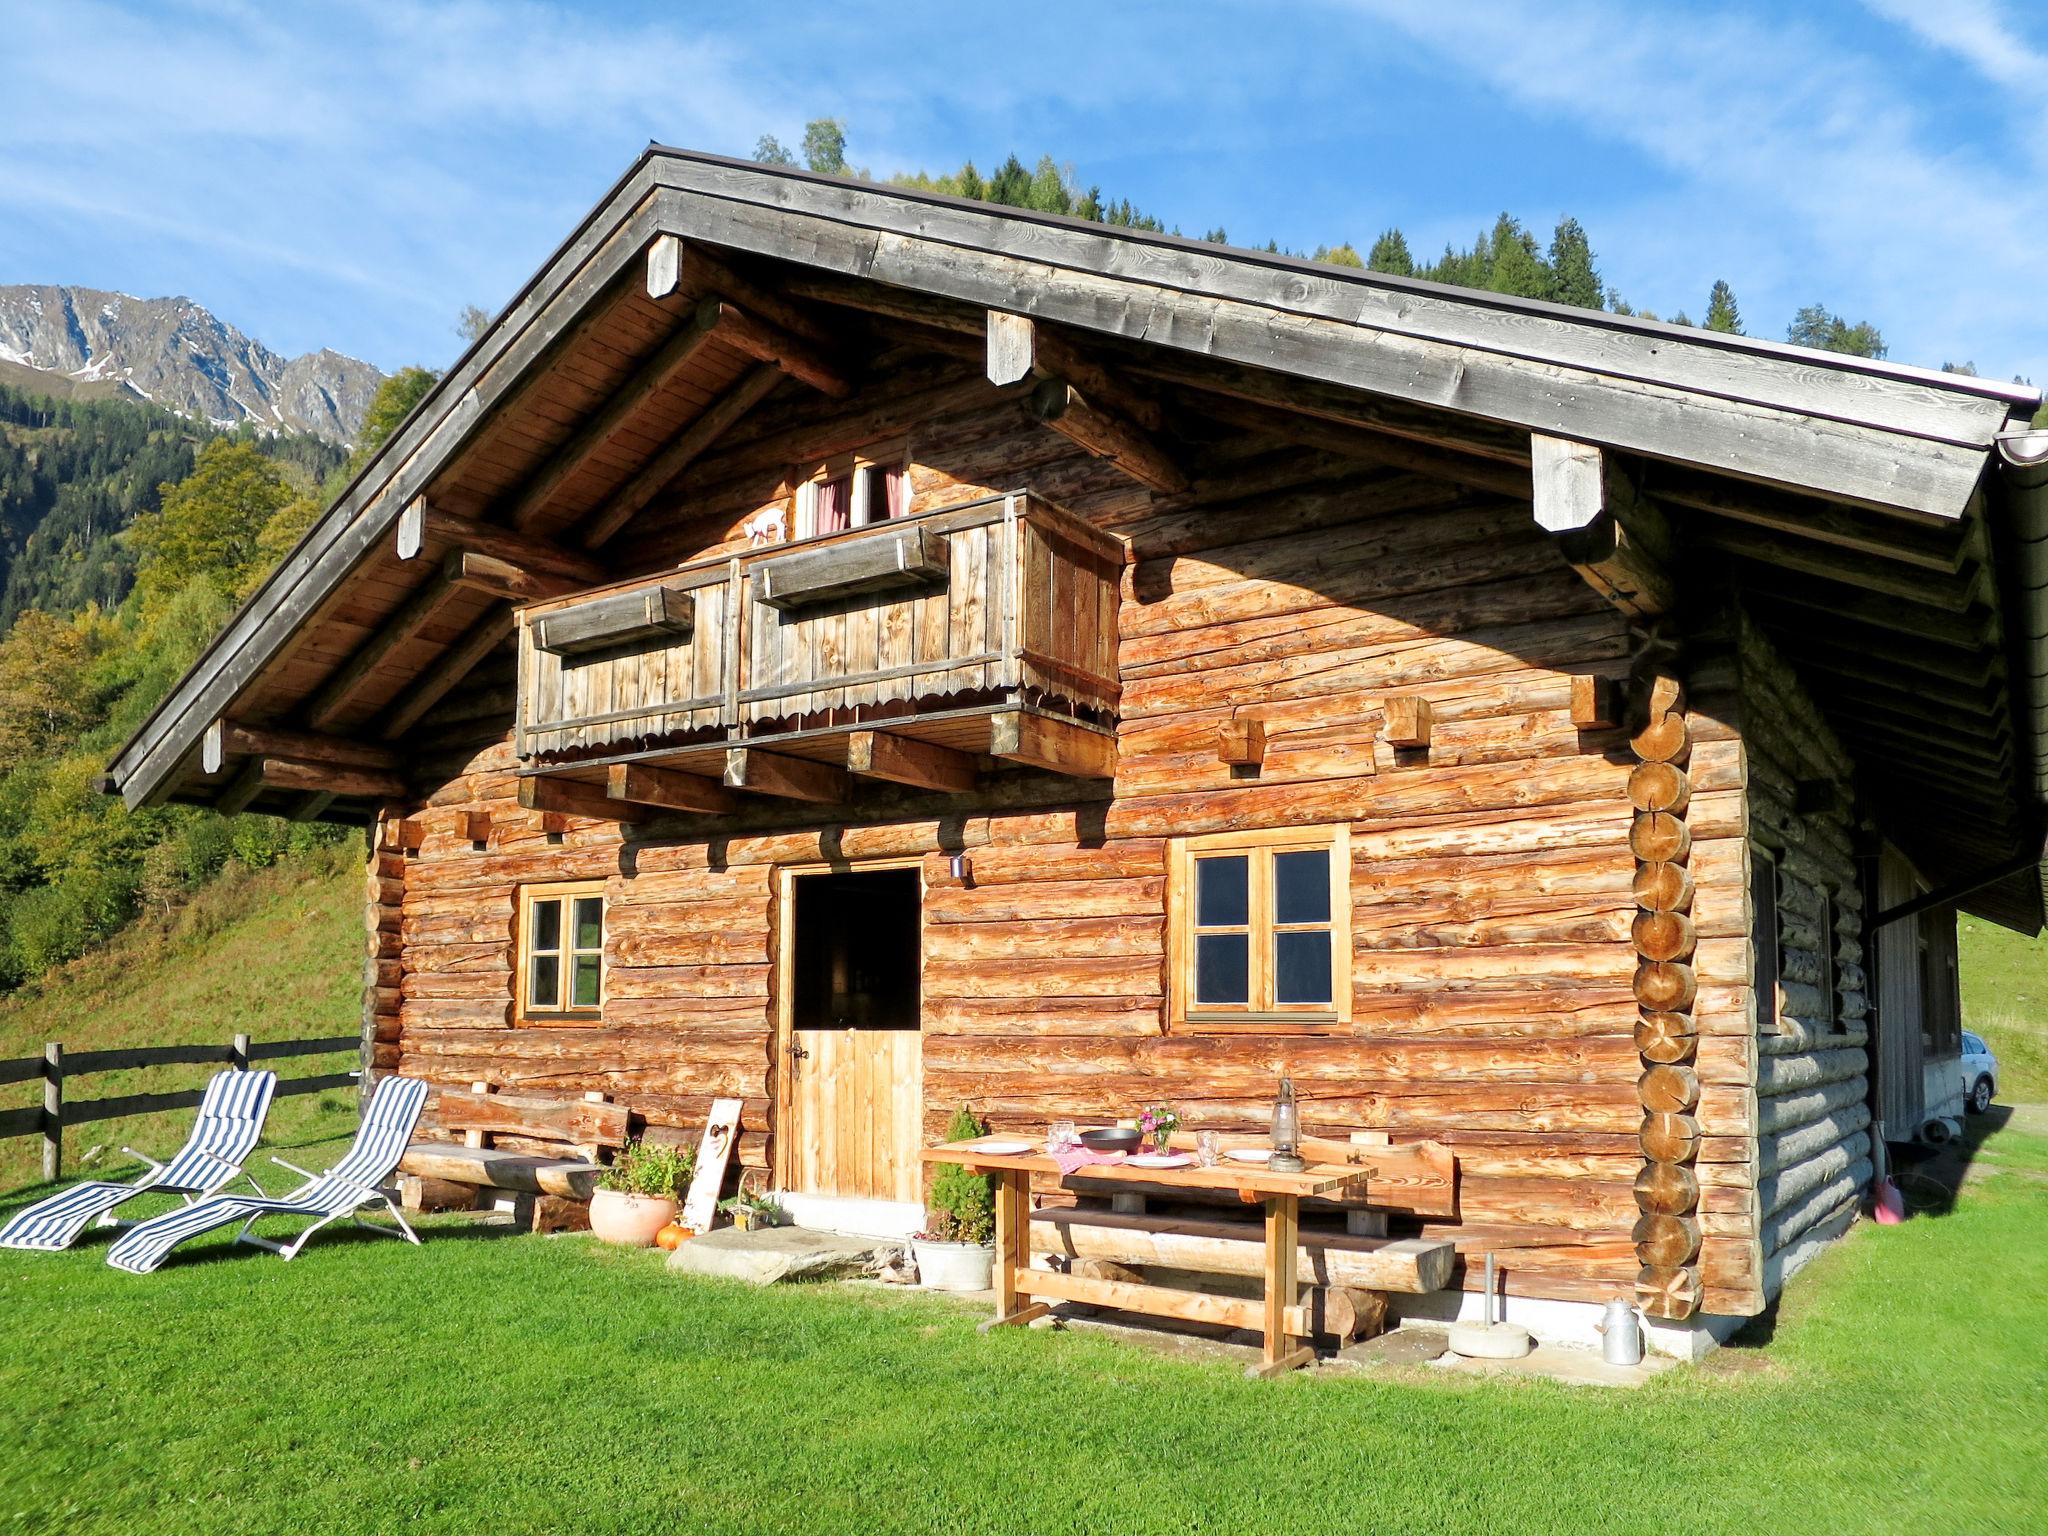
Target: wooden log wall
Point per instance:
(1494, 888)
(1814, 1134)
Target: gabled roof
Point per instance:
(1861, 461)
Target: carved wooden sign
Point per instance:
(700, 1207)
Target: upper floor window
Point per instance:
(561, 950)
(851, 490)
(1261, 930)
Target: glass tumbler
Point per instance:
(1208, 1148)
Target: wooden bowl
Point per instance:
(1117, 1138)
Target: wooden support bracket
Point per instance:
(571, 798)
(504, 579)
(1408, 720)
(1241, 741)
(1620, 544)
(473, 826)
(400, 834)
(802, 360)
(1019, 347)
(422, 521)
(668, 790)
(1058, 746)
(1097, 429)
(903, 760)
(328, 778)
(794, 778)
(227, 739)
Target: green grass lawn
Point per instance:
(512, 1383)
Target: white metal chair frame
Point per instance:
(190, 1196)
(367, 1196)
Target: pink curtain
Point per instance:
(896, 486)
(834, 504)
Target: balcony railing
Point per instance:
(999, 605)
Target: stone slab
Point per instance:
(1403, 1346)
(767, 1255)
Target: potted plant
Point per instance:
(954, 1251)
(637, 1195)
(750, 1208)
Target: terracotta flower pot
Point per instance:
(631, 1221)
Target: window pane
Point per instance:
(1223, 892)
(544, 986)
(583, 984)
(1301, 886)
(589, 922)
(547, 925)
(1222, 968)
(1301, 967)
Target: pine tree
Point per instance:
(1390, 255)
(970, 183)
(1722, 315)
(1011, 184)
(1573, 277)
(1815, 325)
(1518, 267)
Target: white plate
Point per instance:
(1003, 1148)
(1159, 1160)
(1249, 1155)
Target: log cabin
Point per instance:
(864, 653)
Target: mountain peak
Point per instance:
(179, 355)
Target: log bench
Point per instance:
(548, 1190)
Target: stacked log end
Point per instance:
(1667, 1233)
(383, 901)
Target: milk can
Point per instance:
(1621, 1335)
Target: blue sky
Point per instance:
(351, 175)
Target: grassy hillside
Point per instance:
(2005, 997)
(275, 953)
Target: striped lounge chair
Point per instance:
(230, 1120)
(342, 1190)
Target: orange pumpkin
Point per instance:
(669, 1237)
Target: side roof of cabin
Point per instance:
(1887, 526)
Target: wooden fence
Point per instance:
(51, 1117)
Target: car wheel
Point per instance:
(1980, 1096)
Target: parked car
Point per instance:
(1980, 1073)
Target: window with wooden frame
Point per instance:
(1260, 926)
(852, 490)
(561, 951)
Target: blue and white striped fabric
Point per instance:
(230, 1121)
(387, 1127)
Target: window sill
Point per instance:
(583, 1019)
(1266, 1024)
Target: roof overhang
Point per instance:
(1905, 448)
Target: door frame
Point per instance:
(786, 877)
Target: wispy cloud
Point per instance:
(1790, 146)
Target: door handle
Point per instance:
(797, 1052)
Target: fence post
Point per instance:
(238, 1054)
(53, 1109)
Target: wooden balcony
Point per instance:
(988, 629)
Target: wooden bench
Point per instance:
(545, 1190)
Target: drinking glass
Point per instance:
(1062, 1136)
(1208, 1148)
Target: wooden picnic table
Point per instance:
(1023, 1293)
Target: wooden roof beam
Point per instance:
(666, 789)
(421, 521)
(503, 578)
(226, 739)
(1621, 545)
(793, 778)
(1953, 593)
(1096, 428)
(569, 797)
(1057, 746)
(340, 689)
(626, 402)
(676, 267)
(688, 446)
(450, 668)
(329, 778)
(905, 760)
(1920, 542)
(1019, 348)
(802, 360)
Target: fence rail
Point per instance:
(53, 1067)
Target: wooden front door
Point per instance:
(853, 1101)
